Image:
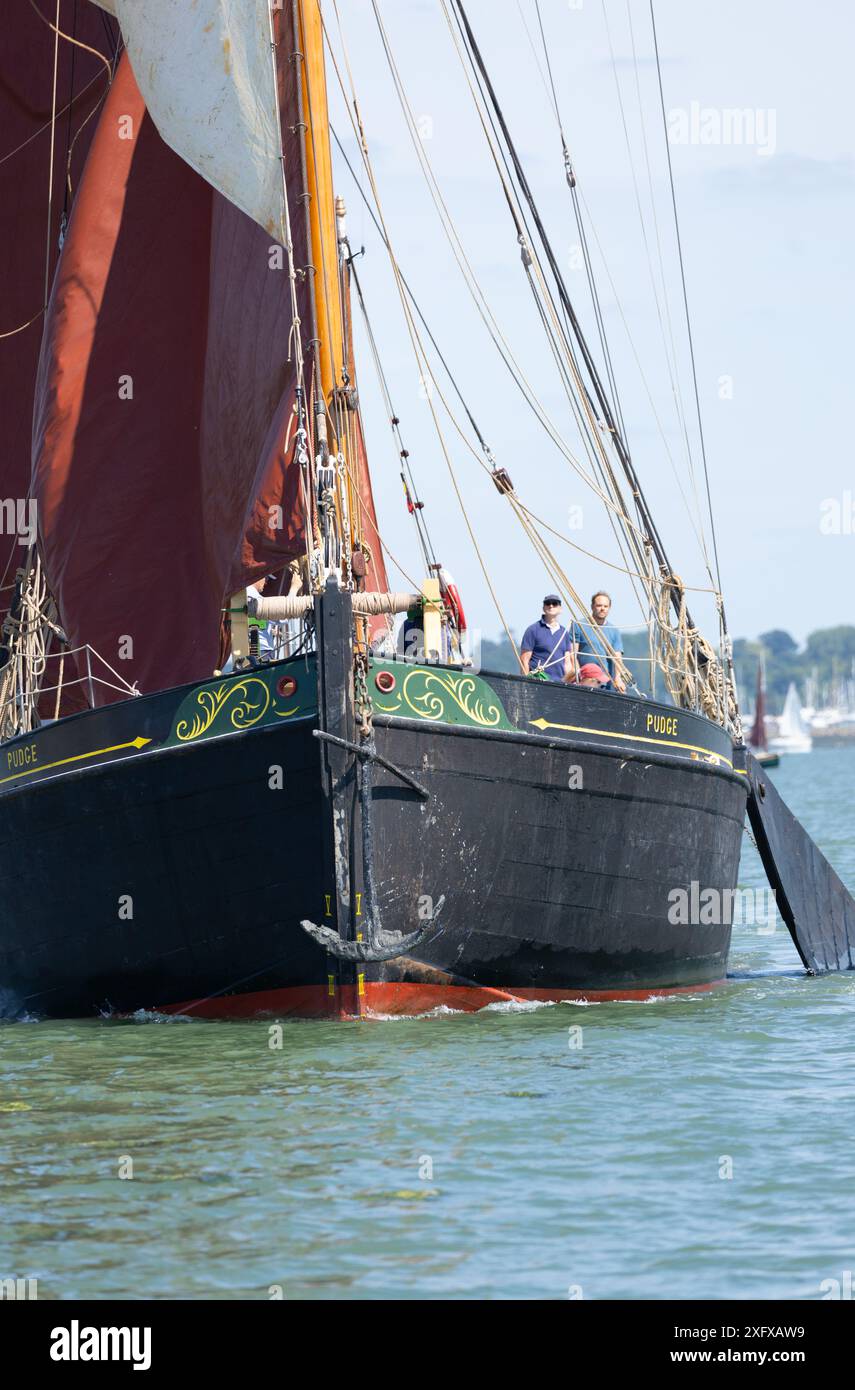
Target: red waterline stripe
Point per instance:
(395, 997)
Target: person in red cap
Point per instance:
(594, 677)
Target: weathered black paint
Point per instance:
(218, 868)
(548, 887)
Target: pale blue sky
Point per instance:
(767, 239)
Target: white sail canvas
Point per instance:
(206, 74)
(792, 736)
(792, 722)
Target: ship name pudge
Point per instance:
(24, 756)
(662, 724)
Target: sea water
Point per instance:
(695, 1146)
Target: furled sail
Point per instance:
(206, 76)
(757, 737)
(164, 403)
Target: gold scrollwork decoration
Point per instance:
(430, 704)
(243, 712)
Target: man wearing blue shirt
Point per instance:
(547, 646)
(587, 639)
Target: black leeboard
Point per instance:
(816, 906)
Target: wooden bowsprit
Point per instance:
(816, 905)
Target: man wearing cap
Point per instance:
(596, 639)
(547, 646)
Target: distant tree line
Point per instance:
(827, 657)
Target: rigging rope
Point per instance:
(576, 196)
(418, 348)
(498, 338)
(685, 294)
(68, 144)
(36, 133)
(470, 280)
(726, 646)
(428, 552)
(633, 574)
(602, 400)
(51, 124)
(590, 427)
(671, 365)
(549, 313)
(52, 149)
(411, 296)
(673, 373)
(77, 42)
(570, 177)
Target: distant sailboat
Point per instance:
(757, 740)
(792, 735)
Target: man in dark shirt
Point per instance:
(547, 646)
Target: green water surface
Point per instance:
(696, 1146)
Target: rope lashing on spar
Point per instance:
(365, 605)
(377, 943)
(693, 672)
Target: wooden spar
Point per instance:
(431, 621)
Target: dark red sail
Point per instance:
(757, 737)
(29, 232)
(163, 402)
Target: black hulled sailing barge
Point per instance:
(334, 830)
